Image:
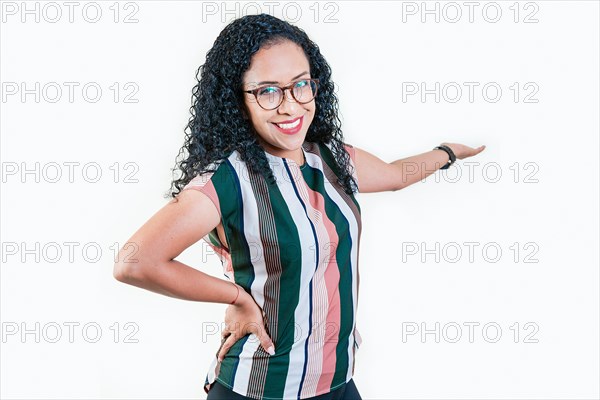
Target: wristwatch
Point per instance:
(450, 154)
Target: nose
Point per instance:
(289, 105)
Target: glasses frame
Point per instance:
(283, 89)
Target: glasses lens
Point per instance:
(305, 91)
(269, 97)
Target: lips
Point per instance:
(289, 127)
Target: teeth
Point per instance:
(289, 126)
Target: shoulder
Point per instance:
(216, 181)
(350, 149)
(216, 174)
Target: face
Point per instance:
(279, 65)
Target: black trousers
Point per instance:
(347, 392)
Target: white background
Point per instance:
(549, 209)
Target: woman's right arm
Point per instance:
(147, 259)
(151, 266)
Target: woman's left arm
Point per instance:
(376, 175)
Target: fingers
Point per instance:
(478, 150)
(265, 339)
(461, 151)
(268, 345)
(233, 332)
(226, 344)
(229, 338)
(226, 332)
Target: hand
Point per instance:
(242, 318)
(461, 151)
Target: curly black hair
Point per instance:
(217, 126)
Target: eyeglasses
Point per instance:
(270, 97)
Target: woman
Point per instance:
(271, 186)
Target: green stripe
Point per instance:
(287, 245)
(227, 186)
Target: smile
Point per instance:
(290, 127)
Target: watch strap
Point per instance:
(451, 155)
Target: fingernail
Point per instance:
(271, 350)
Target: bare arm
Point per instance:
(176, 226)
(163, 237)
(376, 175)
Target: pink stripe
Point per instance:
(332, 278)
(204, 184)
(325, 334)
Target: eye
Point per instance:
(301, 83)
(267, 90)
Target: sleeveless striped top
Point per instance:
(294, 247)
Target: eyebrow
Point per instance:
(272, 82)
